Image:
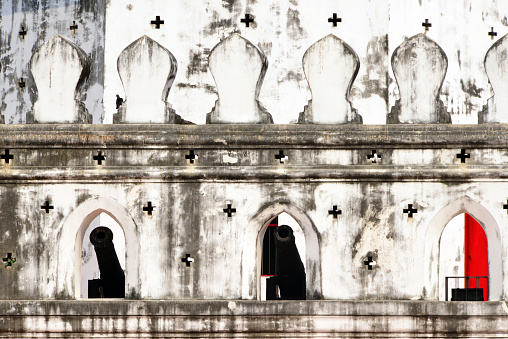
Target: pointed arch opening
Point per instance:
(439, 247)
(463, 260)
(283, 259)
(103, 267)
(252, 257)
(72, 233)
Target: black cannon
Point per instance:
(112, 281)
(289, 267)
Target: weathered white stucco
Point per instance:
(496, 67)
(419, 65)
(60, 69)
(238, 68)
(398, 186)
(284, 31)
(452, 255)
(330, 66)
(41, 20)
(147, 71)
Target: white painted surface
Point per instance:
(238, 68)
(451, 255)
(147, 70)
(419, 65)
(330, 66)
(72, 229)
(43, 20)
(285, 30)
(59, 68)
(226, 249)
(496, 66)
(489, 219)
(383, 230)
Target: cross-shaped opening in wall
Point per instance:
(334, 19)
(157, 22)
(191, 156)
(21, 83)
(463, 155)
(281, 157)
(369, 263)
(47, 207)
(9, 260)
(6, 156)
(188, 260)
(427, 25)
(334, 211)
(229, 210)
(22, 33)
(73, 27)
(148, 208)
(492, 33)
(247, 20)
(99, 158)
(410, 210)
(374, 157)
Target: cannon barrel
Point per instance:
(289, 267)
(112, 276)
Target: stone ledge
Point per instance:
(255, 174)
(224, 136)
(224, 318)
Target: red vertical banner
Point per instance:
(477, 254)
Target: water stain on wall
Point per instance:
(218, 25)
(374, 80)
(206, 87)
(292, 76)
(229, 4)
(471, 88)
(266, 47)
(43, 19)
(198, 61)
(293, 26)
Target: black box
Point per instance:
(467, 294)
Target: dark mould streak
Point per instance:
(229, 4)
(198, 62)
(471, 89)
(292, 75)
(216, 24)
(294, 25)
(375, 62)
(207, 87)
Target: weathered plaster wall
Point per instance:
(145, 163)
(460, 28)
(325, 166)
(285, 30)
(282, 30)
(42, 20)
(247, 319)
